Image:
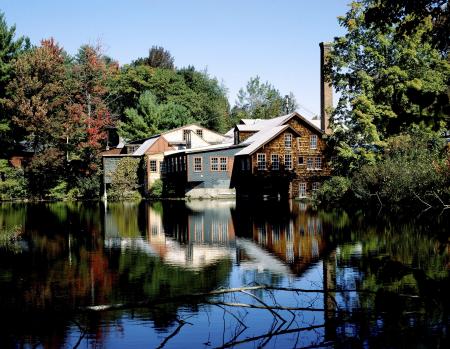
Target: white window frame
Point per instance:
(198, 166)
(318, 163)
(313, 142)
(214, 164)
(275, 161)
(302, 189)
(315, 186)
(310, 163)
(288, 140)
(288, 162)
(261, 161)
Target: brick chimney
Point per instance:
(326, 90)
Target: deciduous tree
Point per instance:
(386, 83)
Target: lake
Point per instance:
(162, 271)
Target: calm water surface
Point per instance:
(376, 282)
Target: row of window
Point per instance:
(288, 141)
(186, 134)
(312, 163)
(216, 164)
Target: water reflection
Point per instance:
(74, 255)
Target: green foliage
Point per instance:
(44, 172)
(125, 180)
(156, 190)
(10, 49)
(150, 118)
(413, 168)
(87, 187)
(258, 101)
(59, 191)
(406, 16)
(333, 190)
(182, 96)
(12, 182)
(386, 83)
(158, 57)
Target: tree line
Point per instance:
(59, 108)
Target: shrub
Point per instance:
(13, 184)
(413, 166)
(125, 180)
(333, 190)
(156, 190)
(59, 191)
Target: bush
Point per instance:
(125, 180)
(156, 190)
(13, 184)
(333, 190)
(87, 187)
(59, 191)
(414, 165)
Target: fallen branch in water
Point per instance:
(271, 334)
(187, 298)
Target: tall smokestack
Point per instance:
(326, 90)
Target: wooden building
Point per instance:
(151, 151)
(285, 158)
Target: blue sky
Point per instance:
(234, 40)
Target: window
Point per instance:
(199, 133)
(153, 166)
(301, 160)
(302, 190)
(313, 141)
(198, 164)
(275, 159)
(315, 186)
(186, 134)
(287, 140)
(318, 163)
(214, 164)
(223, 164)
(162, 167)
(261, 161)
(132, 148)
(310, 163)
(288, 161)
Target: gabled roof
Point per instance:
(257, 140)
(146, 145)
(262, 124)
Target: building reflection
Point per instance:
(192, 236)
(290, 232)
(285, 238)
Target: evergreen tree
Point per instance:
(10, 49)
